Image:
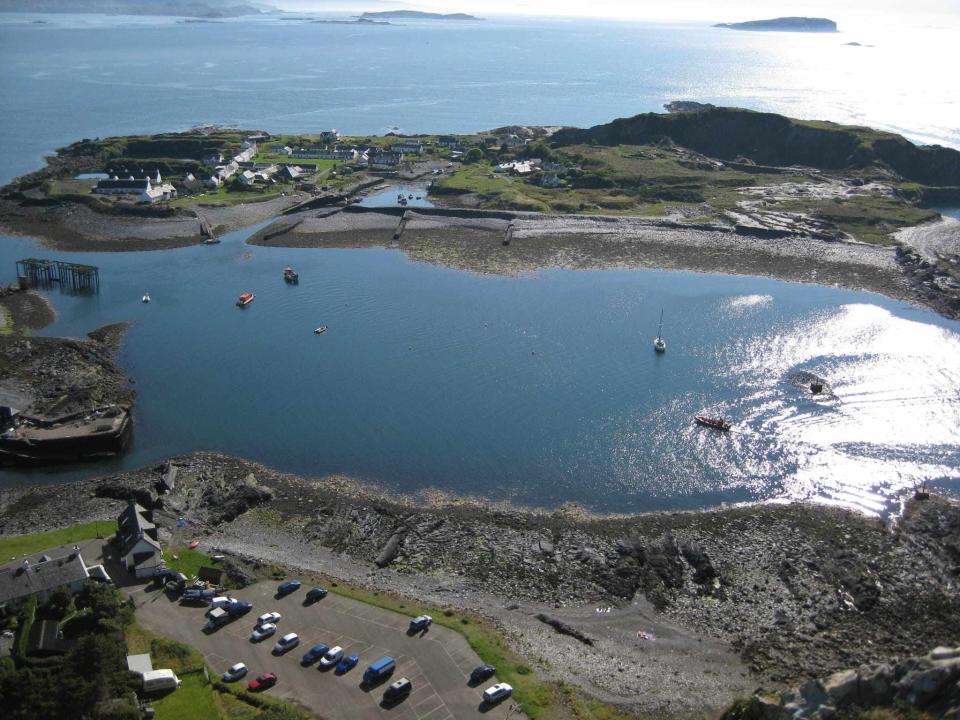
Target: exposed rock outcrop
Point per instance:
(930, 683)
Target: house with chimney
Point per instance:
(137, 539)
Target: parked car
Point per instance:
(262, 682)
(315, 594)
(332, 657)
(263, 631)
(288, 586)
(481, 673)
(314, 654)
(195, 594)
(270, 617)
(221, 601)
(235, 672)
(379, 669)
(398, 690)
(239, 607)
(347, 664)
(496, 693)
(287, 642)
(421, 623)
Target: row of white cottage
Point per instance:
(146, 189)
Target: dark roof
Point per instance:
(210, 575)
(122, 184)
(18, 580)
(45, 638)
(132, 525)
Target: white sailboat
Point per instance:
(660, 345)
(146, 297)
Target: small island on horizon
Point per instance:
(416, 15)
(785, 24)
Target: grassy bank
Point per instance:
(19, 545)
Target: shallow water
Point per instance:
(540, 389)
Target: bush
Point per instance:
(25, 618)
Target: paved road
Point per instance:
(438, 663)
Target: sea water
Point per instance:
(540, 389)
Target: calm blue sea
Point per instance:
(540, 389)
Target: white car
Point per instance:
(270, 617)
(333, 656)
(235, 672)
(421, 622)
(263, 631)
(220, 602)
(496, 693)
(287, 642)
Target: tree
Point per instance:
(473, 155)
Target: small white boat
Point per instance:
(146, 297)
(212, 241)
(320, 330)
(659, 344)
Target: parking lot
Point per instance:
(437, 662)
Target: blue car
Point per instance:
(347, 664)
(316, 594)
(288, 586)
(314, 654)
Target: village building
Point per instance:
(140, 552)
(43, 574)
(145, 190)
(190, 182)
(385, 160)
(448, 141)
(281, 149)
(246, 155)
(329, 136)
(407, 147)
(550, 180)
(338, 152)
(512, 141)
(518, 167)
(214, 159)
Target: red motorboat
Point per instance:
(291, 275)
(245, 299)
(194, 543)
(715, 423)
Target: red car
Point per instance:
(262, 682)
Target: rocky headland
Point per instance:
(50, 376)
(670, 613)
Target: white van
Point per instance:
(156, 680)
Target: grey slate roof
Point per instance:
(132, 525)
(18, 581)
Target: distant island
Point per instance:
(785, 24)
(357, 21)
(183, 8)
(416, 15)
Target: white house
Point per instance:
(280, 149)
(246, 155)
(140, 552)
(518, 167)
(43, 574)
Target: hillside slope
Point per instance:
(770, 139)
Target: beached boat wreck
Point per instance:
(88, 434)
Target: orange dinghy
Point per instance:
(245, 299)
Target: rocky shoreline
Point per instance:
(684, 611)
(58, 376)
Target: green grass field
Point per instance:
(20, 545)
(193, 700)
